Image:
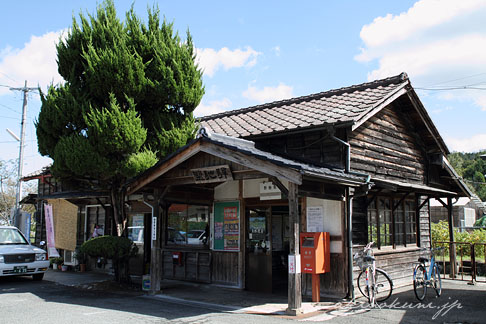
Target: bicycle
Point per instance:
(373, 283)
(423, 278)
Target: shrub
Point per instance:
(440, 233)
(118, 249)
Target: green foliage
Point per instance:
(481, 222)
(472, 168)
(118, 249)
(58, 260)
(109, 247)
(138, 162)
(81, 256)
(129, 95)
(440, 233)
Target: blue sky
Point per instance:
(259, 51)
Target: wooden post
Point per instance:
(155, 256)
(294, 292)
(316, 288)
(452, 246)
(242, 253)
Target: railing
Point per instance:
(470, 264)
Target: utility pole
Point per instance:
(25, 90)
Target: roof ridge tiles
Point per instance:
(329, 93)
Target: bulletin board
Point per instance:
(226, 226)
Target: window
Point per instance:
(188, 224)
(391, 222)
(136, 227)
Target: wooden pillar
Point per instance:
(294, 289)
(156, 252)
(242, 253)
(452, 246)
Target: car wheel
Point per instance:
(38, 276)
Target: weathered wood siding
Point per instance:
(333, 283)
(224, 268)
(398, 264)
(386, 147)
(360, 221)
(195, 266)
(314, 147)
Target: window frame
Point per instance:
(403, 211)
(185, 216)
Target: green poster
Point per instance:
(226, 227)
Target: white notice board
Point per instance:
(315, 219)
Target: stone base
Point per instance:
(294, 311)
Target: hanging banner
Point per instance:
(51, 241)
(226, 226)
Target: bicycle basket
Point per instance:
(361, 261)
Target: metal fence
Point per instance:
(469, 262)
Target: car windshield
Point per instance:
(11, 236)
(194, 234)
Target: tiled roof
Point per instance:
(344, 105)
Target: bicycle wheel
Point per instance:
(419, 282)
(383, 285)
(362, 285)
(436, 280)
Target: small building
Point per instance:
(466, 211)
(77, 209)
(359, 162)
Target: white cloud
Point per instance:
(471, 144)
(213, 107)
(276, 50)
(268, 94)
(423, 15)
(35, 62)
(211, 60)
(433, 57)
(434, 41)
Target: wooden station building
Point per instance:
(359, 162)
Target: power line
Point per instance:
(10, 117)
(451, 88)
(11, 109)
(461, 78)
(9, 77)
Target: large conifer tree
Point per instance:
(129, 92)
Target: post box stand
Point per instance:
(315, 249)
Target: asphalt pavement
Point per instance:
(459, 303)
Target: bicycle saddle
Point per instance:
(423, 260)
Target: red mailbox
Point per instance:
(177, 258)
(315, 252)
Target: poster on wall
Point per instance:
(226, 226)
(315, 219)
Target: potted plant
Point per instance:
(52, 262)
(82, 258)
(59, 261)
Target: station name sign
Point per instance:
(212, 174)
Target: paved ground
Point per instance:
(460, 303)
